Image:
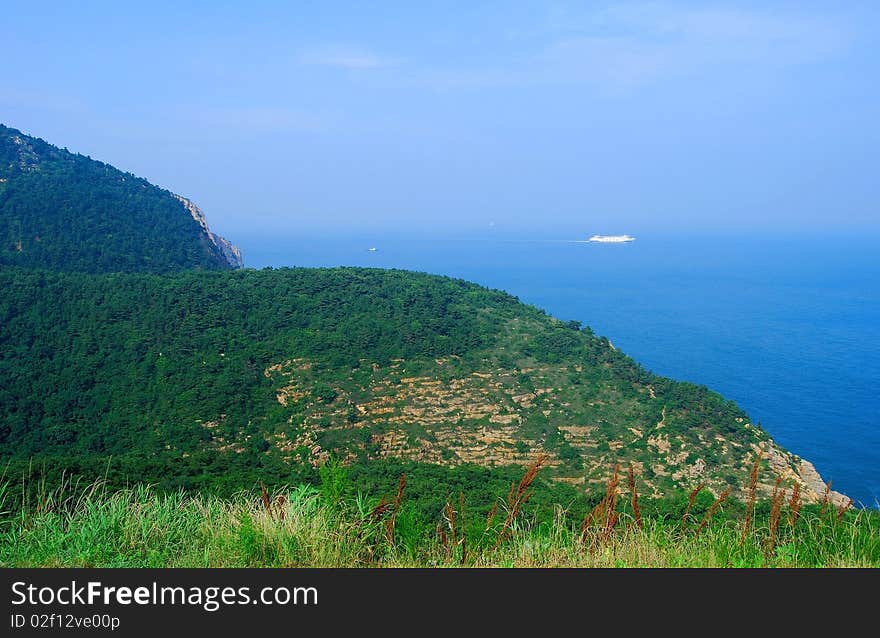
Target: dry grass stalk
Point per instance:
(714, 508)
(691, 498)
(844, 508)
(450, 515)
(776, 502)
(825, 498)
(453, 521)
(401, 484)
(519, 495)
(491, 517)
(279, 506)
(389, 525)
(588, 520)
(444, 540)
(634, 496)
(264, 495)
(611, 514)
(753, 492)
(604, 515)
(380, 510)
(376, 514)
(794, 505)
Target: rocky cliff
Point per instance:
(228, 250)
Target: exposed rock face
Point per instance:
(487, 417)
(811, 478)
(28, 158)
(230, 252)
(792, 469)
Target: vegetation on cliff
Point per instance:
(217, 380)
(66, 211)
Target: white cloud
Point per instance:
(627, 45)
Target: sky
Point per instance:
(444, 118)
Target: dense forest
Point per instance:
(215, 380)
(64, 211)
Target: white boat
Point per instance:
(372, 250)
(612, 239)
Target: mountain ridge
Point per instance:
(66, 211)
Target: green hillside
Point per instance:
(64, 211)
(160, 406)
(218, 379)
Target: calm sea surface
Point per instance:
(789, 329)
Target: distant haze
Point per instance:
(545, 119)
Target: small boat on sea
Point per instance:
(612, 239)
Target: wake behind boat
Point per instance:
(612, 239)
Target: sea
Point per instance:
(788, 327)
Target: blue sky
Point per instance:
(557, 119)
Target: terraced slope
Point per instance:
(203, 377)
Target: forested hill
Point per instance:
(207, 379)
(65, 211)
(126, 335)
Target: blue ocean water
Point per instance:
(787, 328)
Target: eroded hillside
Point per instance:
(441, 413)
(199, 377)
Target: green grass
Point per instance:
(306, 526)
